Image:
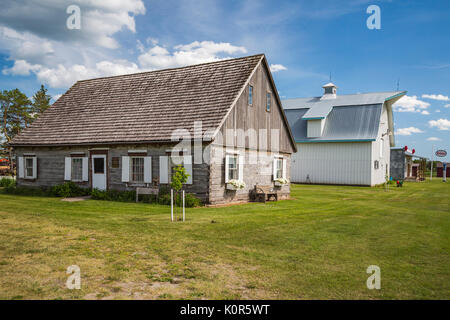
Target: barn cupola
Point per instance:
(329, 91)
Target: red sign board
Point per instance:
(441, 153)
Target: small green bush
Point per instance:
(68, 189)
(6, 182)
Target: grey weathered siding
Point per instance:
(253, 173)
(243, 116)
(50, 167)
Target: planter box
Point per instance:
(279, 184)
(231, 187)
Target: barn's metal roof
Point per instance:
(344, 123)
(319, 109)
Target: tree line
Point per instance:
(17, 112)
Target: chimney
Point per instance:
(329, 91)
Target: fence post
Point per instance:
(171, 205)
(183, 206)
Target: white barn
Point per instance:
(342, 139)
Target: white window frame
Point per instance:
(71, 169)
(33, 163)
(275, 167)
(131, 169)
(250, 95)
(268, 101)
(227, 167)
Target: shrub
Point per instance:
(6, 182)
(68, 189)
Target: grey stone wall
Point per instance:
(397, 167)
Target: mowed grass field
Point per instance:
(316, 246)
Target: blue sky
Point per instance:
(306, 39)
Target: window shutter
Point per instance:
(125, 169)
(227, 161)
(284, 168)
(147, 169)
(163, 169)
(241, 167)
(34, 168)
(21, 168)
(187, 162)
(85, 168)
(274, 164)
(68, 169)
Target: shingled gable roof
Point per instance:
(142, 107)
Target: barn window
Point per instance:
(250, 95)
(269, 97)
(137, 169)
(77, 169)
(29, 168)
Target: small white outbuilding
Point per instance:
(342, 139)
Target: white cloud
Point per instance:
(439, 97)
(441, 124)
(425, 112)
(438, 110)
(433, 139)
(196, 52)
(100, 20)
(410, 104)
(277, 67)
(59, 56)
(62, 76)
(20, 68)
(407, 131)
(447, 105)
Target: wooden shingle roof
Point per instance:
(141, 107)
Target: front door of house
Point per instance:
(99, 171)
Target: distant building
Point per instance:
(440, 170)
(403, 167)
(342, 139)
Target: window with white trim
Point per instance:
(137, 169)
(233, 170)
(278, 168)
(29, 168)
(77, 169)
(250, 95)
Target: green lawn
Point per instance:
(316, 246)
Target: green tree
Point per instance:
(14, 115)
(179, 177)
(41, 102)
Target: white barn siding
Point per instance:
(333, 163)
(382, 143)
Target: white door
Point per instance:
(99, 171)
